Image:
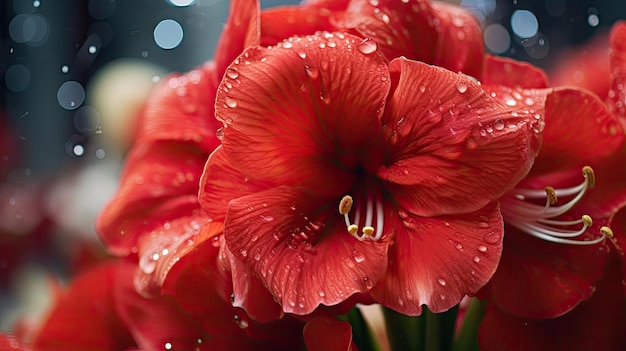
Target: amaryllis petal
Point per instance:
(436, 33)
(9, 342)
(332, 5)
(617, 92)
(159, 184)
(84, 317)
(440, 126)
(550, 279)
(284, 22)
(291, 109)
(180, 108)
(598, 323)
(221, 182)
(249, 293)
(579, 129)
(305, 257)
(242, 30)
(618, 223)
(508, 72)
(160, 249)
(450, 257)
(322, 334)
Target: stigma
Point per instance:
(521, 210)
(368, 231)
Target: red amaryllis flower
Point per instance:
(321, 124)
(555, 222)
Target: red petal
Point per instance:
(579, 129)
(619, 240)
(617, 94)
(84, 318)
(322, 334)
(596, 324)
(451, 147)
(303, 257)
(584, 66)
(437, 261)
(159, 184)
(539, 279)
(249, 292)
(511, 73)
(242, 30)
(181, 108)
(284, 22)
(437, 33)
(160, 249)
(332, 5)
(156, 323)
(288, 119)
(222, 182)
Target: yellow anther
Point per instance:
(590, 175)
(353, 228)
(587, 221)
(369, 231)
(606, 231)
(551, 195)
(345, 205)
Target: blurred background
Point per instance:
(75, 72)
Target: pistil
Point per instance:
(539, 220)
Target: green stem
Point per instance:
(405, 333)
(468, 337)
(361, 333)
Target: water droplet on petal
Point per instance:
(257, 256)
(483, 224)
(482, 248)
(232, 73)
(312, 71)
(441, 281)
(492, 237)
(358, 257)
(476, 259)
(367, 46)
(230, 102)
(498, 124)
(368, 283)
(219, 134)
(461, 87)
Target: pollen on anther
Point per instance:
(587, 221)
(345, 205)
(551, 195)
(608, 232)
(369, 231)
(590, 176)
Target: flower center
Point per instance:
(372, 227)
(539, 220)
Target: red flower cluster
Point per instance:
(363, 151)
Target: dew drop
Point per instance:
(476, 259)
(267, 218)
(312, 71)
(441, 281)
(219, 134)
(230, 102)
(461, 87)
(492, 238)
(244, 253)
(232, 73)
(422, 88)
(287, 44)
(498, 124)
(483, 224)
(358, 257)
(368, 283)
(321, 293)
(257, 256)
(482, 248)
(459, 246)
(367, 46)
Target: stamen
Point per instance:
(606, 231)
(368, 230)
(590, 176)
(538, 220)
